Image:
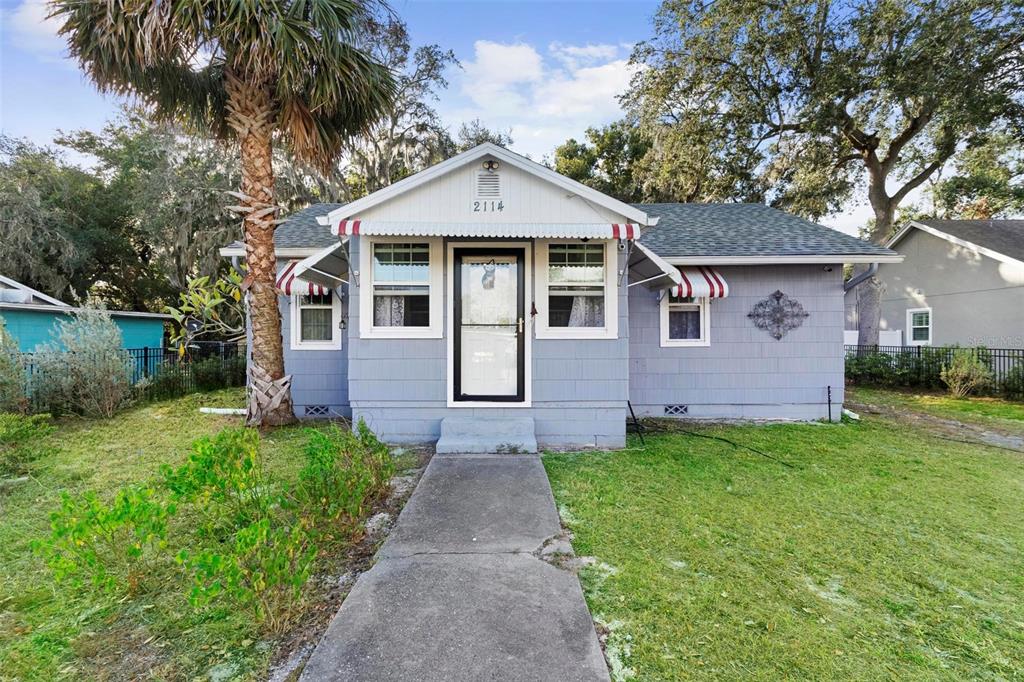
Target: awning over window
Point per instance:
(701, 282)
(483, 229)
(649, 269)
(317, 274)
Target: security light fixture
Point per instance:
(490, 165)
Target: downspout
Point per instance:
(236, 267)
(857, 279)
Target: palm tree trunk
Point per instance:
(251, 117)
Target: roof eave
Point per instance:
(935, 232)
(805, 259)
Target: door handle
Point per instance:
(520, 325)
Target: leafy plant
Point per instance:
(169, 381)
(344, 473)
(12, 373)
(20, 441)
(109, 544)
(965, 373)
(209, 307)
(1013, 384)
(224, 479)
(84, 369)
(265, 567)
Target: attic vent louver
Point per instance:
(488, 185)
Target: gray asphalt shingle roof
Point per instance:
(1003, 236)
(683, 230)
(694, 230)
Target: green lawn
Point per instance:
(991, 412)
(882, 554)
(50, 631)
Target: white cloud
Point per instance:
(544, 99)
(30, 29)
(574, 56)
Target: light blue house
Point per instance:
(31, 317)
(489, 301)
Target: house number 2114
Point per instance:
(488, 206)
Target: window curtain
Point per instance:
(389, 311)
(587, 311)
(684, 324)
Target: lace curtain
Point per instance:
(587, 311)
(389, 311)
(684, 324)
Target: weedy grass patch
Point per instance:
(882, 553)
(982, 411)
(165, 543)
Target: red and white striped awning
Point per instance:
(701, 282)
(628, 231)
(288, 283)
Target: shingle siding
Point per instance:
(744, 373)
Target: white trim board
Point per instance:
(353, 209)
(450, 322)
(291, 252)
(34, 292)
(995, 255)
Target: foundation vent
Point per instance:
(676, 410)
(317, 411)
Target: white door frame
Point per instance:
(450, 322)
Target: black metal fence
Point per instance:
(160, 372)
(921, 366)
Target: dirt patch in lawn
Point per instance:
(332, 586)
(941, 427)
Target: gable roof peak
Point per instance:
(530, 166)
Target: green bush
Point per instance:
(224, 478)
(235, 370)
(85, 370)
(169, 381)
(265, 568)
(21, 439)
(209, 374)
(12, 373)
(344, 474)
(1012, 385)
(110, 545)
(966, 372)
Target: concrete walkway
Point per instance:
(457, 593)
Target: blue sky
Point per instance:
(545, 70)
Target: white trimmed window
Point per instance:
(316, 321)
(685, 321)
(403, 296)
(919, 327)
(576, 290)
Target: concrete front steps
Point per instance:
(487, 434)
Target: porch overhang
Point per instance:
(651, 270)
(327, 268)
(625, 231)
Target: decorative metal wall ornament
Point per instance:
(778, 315)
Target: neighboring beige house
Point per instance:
(962, 282)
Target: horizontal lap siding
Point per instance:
(399, 386)
(745, 373)
(319, 377)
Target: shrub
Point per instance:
(209, 374)
(265, 567)
(12, 373)
(224, 478)
(84, 370)
(344, 473)
(167, 382)
(1013, 383)
(965, 373)
(112, 544)
(20, 441)
(235, 369)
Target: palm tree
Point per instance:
(245, 71)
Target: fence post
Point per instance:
(145, 361)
